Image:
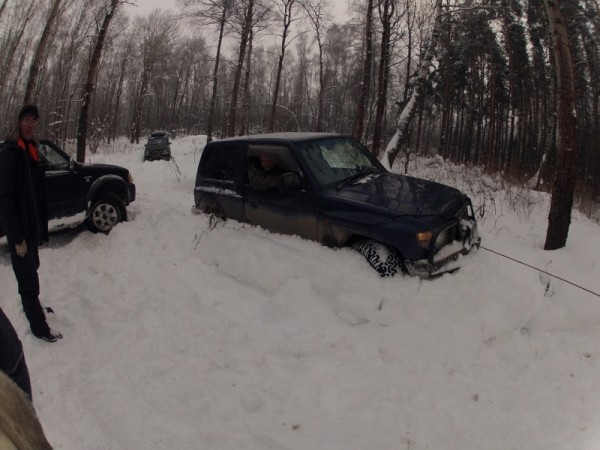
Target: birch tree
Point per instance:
(389, 155)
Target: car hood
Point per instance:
(98, 170)
(401, 195)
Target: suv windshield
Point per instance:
(156, 141)
(333, 160)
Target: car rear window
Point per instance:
(221, 162)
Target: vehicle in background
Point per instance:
(158, 147)
(96, 194)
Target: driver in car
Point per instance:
(263, 173)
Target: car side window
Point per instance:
(220, 163)
(52, 158)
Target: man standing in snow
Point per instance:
(23, 215)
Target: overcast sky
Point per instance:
(143, 7)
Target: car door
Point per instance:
(219, 179)
(66, 188)
(293, 213)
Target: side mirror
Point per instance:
(290, 183)
(71, 164)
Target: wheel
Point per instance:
(383, 258)
(105, 213)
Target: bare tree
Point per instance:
(90, 84)
(285, 8)
(248, 19)
(156, 33)
(408, 112)
(561, 204)
(250, 15)
(11, 42)
(34, 69)
(244, 116)
(318, 14)
(389, 18)
(3, 7)
(365, 84)
(211, 12)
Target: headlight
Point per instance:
(441, 239)
(424, 238)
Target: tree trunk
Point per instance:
(561, 204)
(387, 11)
(231, 119)
(34, 70)
(362, 104)
(408, 112)
(9, 53)
(245, 116)
(287, 21)
(3, 7)
(90, 84)
(213, 98)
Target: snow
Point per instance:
(183, 334)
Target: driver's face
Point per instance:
(266, 162)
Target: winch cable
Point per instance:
(540, 270)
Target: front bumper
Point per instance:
(131, 191)
(448, 259)
(152, 155)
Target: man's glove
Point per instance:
(21, 248)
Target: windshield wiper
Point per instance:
(353, 178)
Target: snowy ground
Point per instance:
(179, 336)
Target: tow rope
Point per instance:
(542, 271)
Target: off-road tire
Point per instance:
(383, 258)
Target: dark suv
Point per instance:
(332, 190)
(158, 146)
(96, 194)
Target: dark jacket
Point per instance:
(23, 210)
(262, 180)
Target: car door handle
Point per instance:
(253, 203)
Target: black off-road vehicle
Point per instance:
(158, 146)
(332, 190)
(96, 194)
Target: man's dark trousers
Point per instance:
(25, 269)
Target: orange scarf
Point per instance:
(32, 149)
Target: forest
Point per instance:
(479, 76)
